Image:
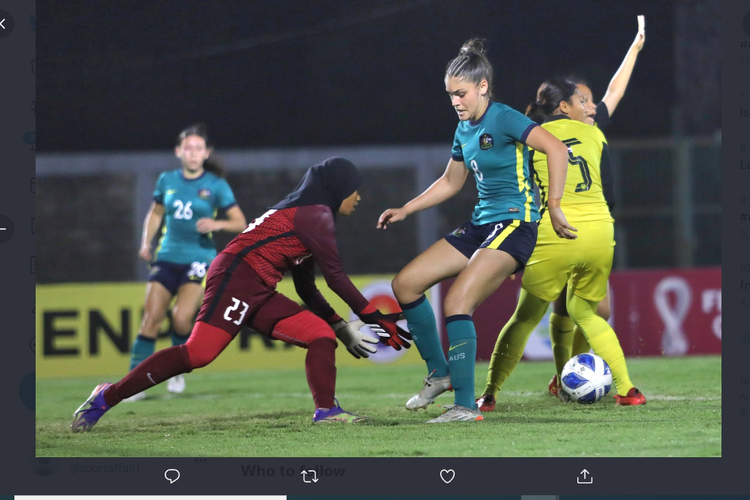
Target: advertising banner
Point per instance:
(88, 329)
(670, 313)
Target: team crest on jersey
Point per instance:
(486, 142)
(204, 194)
(514, 210)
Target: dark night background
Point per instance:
(284, 76)
(123, 76)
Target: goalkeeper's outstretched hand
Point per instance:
(389, 332)
(357, 343)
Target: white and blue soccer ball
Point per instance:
(586, 378)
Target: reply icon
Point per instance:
(172, 475)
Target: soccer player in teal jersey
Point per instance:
(187, 199)
(492, 142)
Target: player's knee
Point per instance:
(399, 286)
(455, 304)
(205, 344)
(406, 288)
(182, 324)
(528, 316)
(323, 341)
(581, 311)
(321, 330)
(199, 357)
(302, 329)
(151, 324)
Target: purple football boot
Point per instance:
(89, 413)
(335, 414)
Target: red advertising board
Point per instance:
(671, 313)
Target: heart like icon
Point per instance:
(447, 475)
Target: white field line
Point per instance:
(405, 396)
(649, 397)
(397, 396)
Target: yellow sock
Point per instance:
(580, 344)
(602, 339)
(505, 357)
(561, 336)
(512, 340)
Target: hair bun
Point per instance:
(473, 46)
(471, 65)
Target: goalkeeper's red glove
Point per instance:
(385, 326)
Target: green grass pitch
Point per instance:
(269, 413)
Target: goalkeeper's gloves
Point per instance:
(385, 326)
(357, 343)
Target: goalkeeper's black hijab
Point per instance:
(328, 183)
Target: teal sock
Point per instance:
(178, 339)
(421, 322)
(462, 357)
(142, 348)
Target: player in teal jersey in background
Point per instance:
(187, 199)
(492, 142)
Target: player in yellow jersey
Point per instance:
(567, 339)
(583, 264)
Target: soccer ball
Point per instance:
(586, 378)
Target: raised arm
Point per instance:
(442, 189)
(619, 82)
(557, 163)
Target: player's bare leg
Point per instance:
(439, 262)
(189, 300)
(155, 309)
(484, 273)
(154, 312)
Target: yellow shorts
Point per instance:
(584, 263)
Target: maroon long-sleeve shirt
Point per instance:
(295, 239)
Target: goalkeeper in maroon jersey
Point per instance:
(241, 290)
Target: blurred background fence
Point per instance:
(91, 206)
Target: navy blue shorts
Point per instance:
(514, 237)
(173, 276)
